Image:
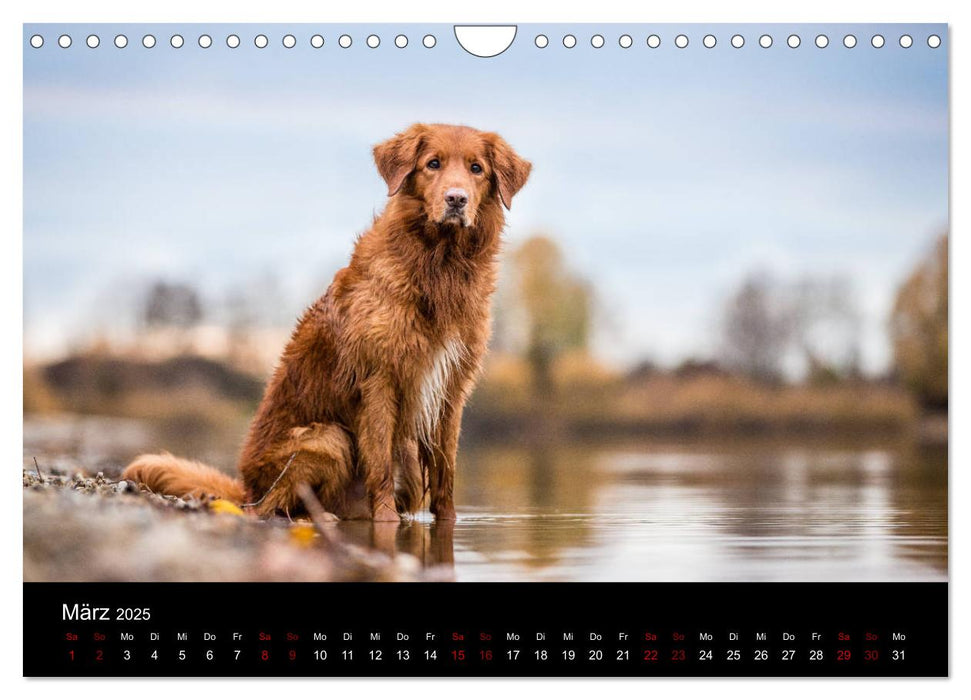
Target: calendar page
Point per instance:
(467, 350)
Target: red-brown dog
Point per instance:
(368, 395)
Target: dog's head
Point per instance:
(453, 170)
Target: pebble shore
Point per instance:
(79, 527)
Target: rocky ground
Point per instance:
(79, 527)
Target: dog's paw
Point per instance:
(277, 503)
(443, 511)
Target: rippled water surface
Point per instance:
(660, 512)
(654, 511)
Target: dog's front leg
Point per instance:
(376, 425)
(440, 460)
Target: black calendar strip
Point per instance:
(569, 629)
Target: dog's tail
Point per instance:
(174, 476)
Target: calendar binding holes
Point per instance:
(541, 41)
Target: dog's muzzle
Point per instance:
(456, 200)
(457, 217)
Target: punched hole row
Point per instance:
(710, 41)
(541, 41)
(233, 41)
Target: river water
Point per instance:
(697, 512)
(677, 510)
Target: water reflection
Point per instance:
(674, 513)
(431, 543)
(654, 511)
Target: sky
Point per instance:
(666, 175)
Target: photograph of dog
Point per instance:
(708, 343)
(365, 405)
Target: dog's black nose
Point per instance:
(456, 197)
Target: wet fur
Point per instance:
(366, 402)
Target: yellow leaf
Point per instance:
(223, 506)
(302, 534)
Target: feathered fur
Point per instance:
(168, 474)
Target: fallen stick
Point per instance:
(318, 516)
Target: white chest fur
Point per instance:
(434, 387)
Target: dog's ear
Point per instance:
(511, 171)
(397, 157)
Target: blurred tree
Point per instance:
(172, 305)
(810, 327)
(554, 306)
(240, 321)
(251, 311)
(173, 309)
(919, 328)
(756, 328)
(825, 326)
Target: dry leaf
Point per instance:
(303, 534)
(220, 505)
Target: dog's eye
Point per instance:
(433, 164)
(476, 168)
